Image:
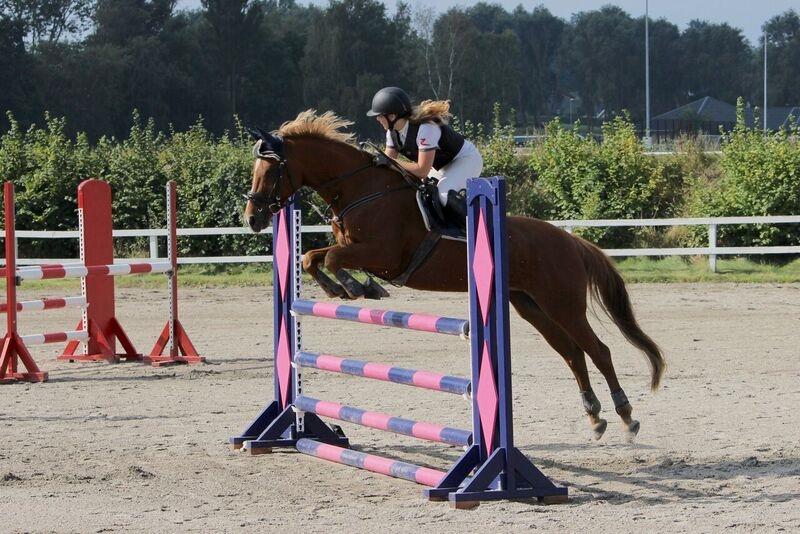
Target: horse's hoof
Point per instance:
(374, 291)
(334, 294)
(631, 431)
(599, 428)
(352, 287)
(355, 291)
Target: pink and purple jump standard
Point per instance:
(491, 467)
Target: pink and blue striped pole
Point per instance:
(382, 421)
(410, 321)
(376, 464)
(387, 373)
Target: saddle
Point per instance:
(437, 223)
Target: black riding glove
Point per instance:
(381, 160)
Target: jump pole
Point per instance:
(13, 346)
(492, 468)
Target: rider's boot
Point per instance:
(456, 208)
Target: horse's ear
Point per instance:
(270, 147)
(257, 133)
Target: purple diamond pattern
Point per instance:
(483, 268)
(282, 250)
(284, 364)
(487, 399)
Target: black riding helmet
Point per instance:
(390, 100)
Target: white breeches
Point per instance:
(453, 176)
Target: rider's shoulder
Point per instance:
(429, 125)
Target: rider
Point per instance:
(433, 148)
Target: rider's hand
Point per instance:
(381, 160)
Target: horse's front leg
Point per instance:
(311, 262)
(359, 256)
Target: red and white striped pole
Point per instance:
(47, 304)
(13, 345)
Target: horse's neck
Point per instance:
(325, 162)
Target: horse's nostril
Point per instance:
(251, 220)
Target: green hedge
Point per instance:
(567, 176)
(759, 175)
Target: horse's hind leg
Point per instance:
(581, 331)
(569, 350)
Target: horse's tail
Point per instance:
(608, 288)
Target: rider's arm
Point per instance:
(422, 166)
(428, 137)
(391, 150)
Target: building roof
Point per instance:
(710, 109)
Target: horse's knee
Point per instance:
(312, 259)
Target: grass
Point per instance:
(677, 269)
(635, 270)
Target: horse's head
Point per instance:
(272, 184)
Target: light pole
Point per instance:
(647, 141)
(765, 80)
(570, 109)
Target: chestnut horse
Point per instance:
(550, 271)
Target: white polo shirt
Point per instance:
(428, 136)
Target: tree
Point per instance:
(540, 35)
(665, 65)
(605, 55)
(715, 60)
(15, 64)
(453, 35)
(272, 85)
(48, 20)
(783, 62)
(353, 49)
(119, 21)
(234, 26)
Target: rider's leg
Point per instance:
(453, 176)
(453, 181)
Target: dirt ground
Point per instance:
(127, 447)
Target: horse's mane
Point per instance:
(327, 125)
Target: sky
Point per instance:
(747, 15)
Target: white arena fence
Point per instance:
(712, 250)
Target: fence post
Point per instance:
(153, 247)
(712, 245)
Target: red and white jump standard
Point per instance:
(14, 349)
(98, 330)
(173, 345)
(491, 467)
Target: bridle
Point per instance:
(272, 151)
(271, 201)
